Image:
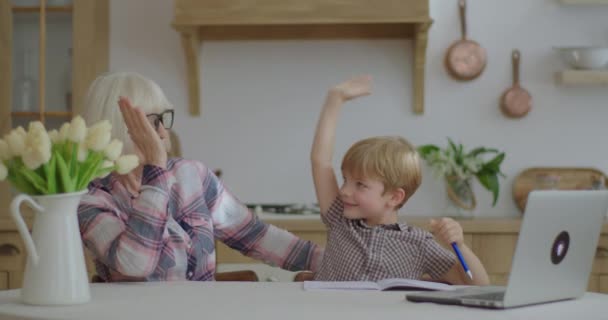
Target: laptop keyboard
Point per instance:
(493, 296)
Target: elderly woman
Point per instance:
(160, 221)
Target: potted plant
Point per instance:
(52, 171)
(458, 167)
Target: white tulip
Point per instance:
(83, 153)
(113, 150)
(125, 164)
(37, 149)
(99, 136)
(16, 141)
(3, 171)
(36, 126)
(64, 132)
(54, 135)
(78, 130)
(106, 164)
(5, 152)
(19, 130)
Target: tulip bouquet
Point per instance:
(38, 162)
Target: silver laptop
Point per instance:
(554, 253)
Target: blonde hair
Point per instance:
(391, 160)
(101, 102)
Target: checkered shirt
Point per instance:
(358, 252)
(169, 231)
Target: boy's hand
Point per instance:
(353, 88)
(446, 230)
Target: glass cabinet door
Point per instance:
(42, 62)
(50, 52)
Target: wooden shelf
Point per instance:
(200, 20)
(47, 9)
(582, 77)
(50, 114)
(581, 2)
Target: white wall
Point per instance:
(261, 99)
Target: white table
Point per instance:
(263, 300)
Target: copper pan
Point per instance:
(516, 101)
(465, 59)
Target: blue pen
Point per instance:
(462, 262)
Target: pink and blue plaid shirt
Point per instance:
(168, 232)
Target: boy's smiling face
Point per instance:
(364, 198)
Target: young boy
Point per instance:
(365, 242)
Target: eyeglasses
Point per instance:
(165, 117)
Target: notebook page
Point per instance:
(410, 284)
(340, 285)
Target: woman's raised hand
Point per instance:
(145, 138)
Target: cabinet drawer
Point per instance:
(225, 254)
(495, 251)
(498, 279)
(594, 283)
(468, 240)
(12, 252)
(3, 280)
(600, 264)
(603, 284)
(15, 279)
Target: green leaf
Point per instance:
(102, 172)
(453, 146)
(49, 171)
(21, 184)
(65, 152)
(34, 179)
(480, 150)
(74, 160)
(493, 166)
(427, 149)
(64, 174)
(490, 182)
(83, 167)
(91, 171)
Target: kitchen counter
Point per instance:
(312, 222)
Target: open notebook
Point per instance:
(384, 284)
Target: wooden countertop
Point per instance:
(308, 223)
(477, 225)
(311, 224)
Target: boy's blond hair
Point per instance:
(390, 159)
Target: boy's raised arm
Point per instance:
(326, 185)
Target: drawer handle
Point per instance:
(601, 252)
(7, 250)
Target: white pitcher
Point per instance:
(55, 273)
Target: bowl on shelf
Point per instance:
(589, 57)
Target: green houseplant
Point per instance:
(458, 166)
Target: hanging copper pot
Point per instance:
(516, 101)
(465, 59)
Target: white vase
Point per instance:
(461, 198)
(55, 272)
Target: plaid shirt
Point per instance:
(168, 231)
(358, 252)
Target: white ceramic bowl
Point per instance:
(585, 57)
